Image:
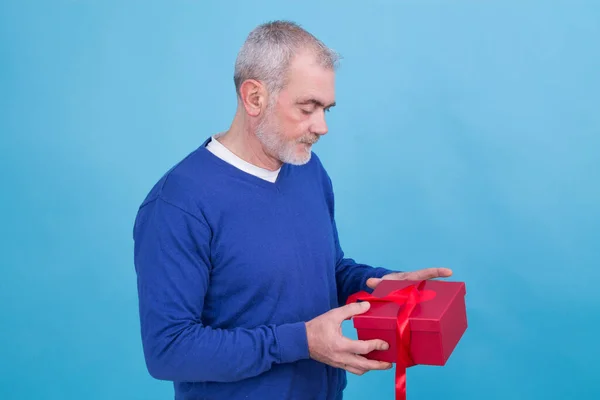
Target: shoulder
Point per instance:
(184, 185)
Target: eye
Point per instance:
(306, 112)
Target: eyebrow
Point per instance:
(316, 102)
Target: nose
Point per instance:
(319, 126)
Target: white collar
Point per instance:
(217, 148)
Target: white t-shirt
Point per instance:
(217, 148)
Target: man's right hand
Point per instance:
(327, 344)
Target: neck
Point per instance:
(241, 140)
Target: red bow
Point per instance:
(408, 297)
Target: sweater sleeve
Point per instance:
(172, 261)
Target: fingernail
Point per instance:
(385, 346)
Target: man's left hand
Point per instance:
(427, 273)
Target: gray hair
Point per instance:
(268, 50)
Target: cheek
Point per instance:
(295, 126)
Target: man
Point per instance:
(241, 278)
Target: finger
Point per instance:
(373, 282)
(393, 276)
(355, 371)
(396, 276)
(351, 309)
(362, 363)
(366, 346)
(429, 273)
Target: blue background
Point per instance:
(467, 135)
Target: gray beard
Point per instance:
(269, 136)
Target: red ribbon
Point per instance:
(408, 297)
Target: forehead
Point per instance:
(307, 78)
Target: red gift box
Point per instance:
(422, 321)
(436, 324)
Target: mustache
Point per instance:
(311, 139)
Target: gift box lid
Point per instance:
(426, 315)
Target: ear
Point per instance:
(253, 97)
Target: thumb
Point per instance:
(373, 282)
(352, 309)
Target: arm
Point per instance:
(173, 274)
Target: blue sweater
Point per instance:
(230, 267)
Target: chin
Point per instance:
(299, 157)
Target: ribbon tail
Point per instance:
(400, 382)
(404, 359)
